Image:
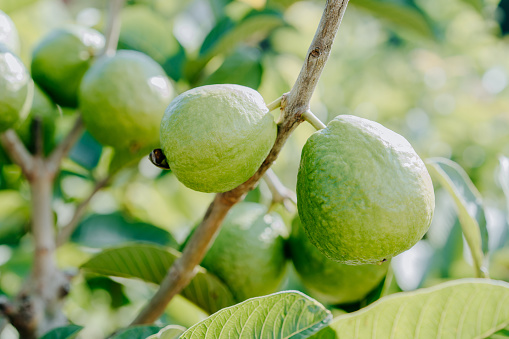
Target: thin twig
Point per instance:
(17, 151)
(280, 193)
(275, 104)
(313, 120)
(67, 230)
(112, 31)
(293, 105)
(61, 151)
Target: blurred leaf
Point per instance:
(218, 6)
(403, 14)
(502, 334)
(503, 177)
(14, 216)
(136, 332)
(86, 152)
(503, 9)
(468, 308)
(227, 34)
(469, 204)
(242, 68)
(104, 230)
(478, 5)
(169, 332)
(279, 315)
(150, 263)
(113, 288)
(12, 5)
(66, 332)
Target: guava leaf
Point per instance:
(150, 263)
(279, 315)
(66, 332)
(169, 332)
(478, 5)
(86, 152)
(467, 308)
(136, 332)
(503, 177)
(468, 203)
(403, 14)
(106, 230)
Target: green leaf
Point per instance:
(503, 177)
(136, 332)
(105, 230)
(242, 68)
(279, 315)
(469, 204)
(468, 308)
(66, 332)
(401, 14)
(478, 5)
(169, 332)
(86, 152)
(150, 263)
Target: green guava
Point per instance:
(215, 137)
(364, 195)
(248, 253)
(16, 90)
(122, 100)
(328, 281)
(8, 33)
(61, 59)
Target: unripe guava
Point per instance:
(16, 90)
(329, 281)
(61, 59)
(364, 195)
(8, 33)
(248, 253)
(215, 137)
(122, 99)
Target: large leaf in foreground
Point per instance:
(66, 332)
(469, 204)
(150, 263)
(468, 308)
(136, 332)
(169, 332)
(276, 316)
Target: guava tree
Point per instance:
(82, 108)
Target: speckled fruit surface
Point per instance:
(8, 33)
(248, 254)
(326, 280)
(16, 90)
(364, 195)
(215, 137)
(61, 59)
(122, 100)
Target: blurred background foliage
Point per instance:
(434, 71)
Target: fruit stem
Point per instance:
(275, 104)
(112, 32)
(313, 120)
(280, 193)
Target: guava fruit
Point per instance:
(248, 253)
(8, 33)
(215, 137)
(61, 59)
(122, 99)
(328, 281)
(16, 90)
(364, 195)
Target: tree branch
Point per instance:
(280, 193)
(67, 230)
(293, 105)
(61, 151)
(313, 120)
(112, 32)
(17, 151)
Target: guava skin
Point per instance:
(16, 90)
(122, 100)
(248, 253)
(326, 280)
(8, 33)
(215, 137)
(364, 195)
(61, 59)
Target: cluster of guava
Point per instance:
(364, 195)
